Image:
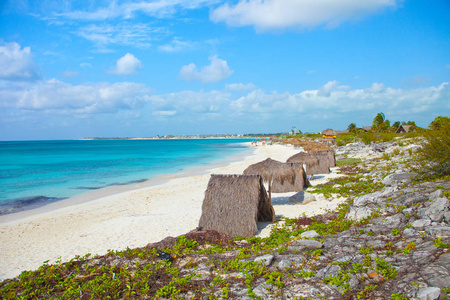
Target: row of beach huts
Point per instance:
(234, 204)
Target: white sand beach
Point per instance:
(130, 218)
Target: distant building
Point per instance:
(329, 136)
(367, 128)
(405, 128)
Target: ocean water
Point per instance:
(33, 173)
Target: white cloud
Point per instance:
(16, 63)
(328, 88)
(156, 8)
(376, 88)
(239, 86)
(218, 70)
(164, 113)
(127, 65)
(57, 96)
(280, 14)
(132, 106)
(176, 46)
(138, 35)
(85, 65)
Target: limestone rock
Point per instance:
(311, 234)
(436, 194)
(395, 179)
(429, 293)
(437, 209)
(327, 271)
(359, 213)
(439, 231)
(283, 264)
(267, 259)
(301, 245)
(302, 198)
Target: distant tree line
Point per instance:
(381, 124)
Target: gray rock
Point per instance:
(302, 198)
(438, 231)
(396, 179)
(409, 232)
(359, 213)
(364, 200)
(429, 293)
(436, 275)
(262, 290)
(395, 221)
(311, 234)
(436, 194)
(301, 245)
(284, 263)
(327, 271)
(353, 283)
(267, 259)
(447, 217)
(437, 209)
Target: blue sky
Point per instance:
(131, 68)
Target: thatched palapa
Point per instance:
(311, 163)
(326, 158)
(234, 204)
(281, 177)
(329, 132)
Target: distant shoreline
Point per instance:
(172, 138)
(26, 206)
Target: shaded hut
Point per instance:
(405, 128)
(301, 180)
(311, 163)
(234, 204)
(329, 136)
(281, 177)
(326, 158)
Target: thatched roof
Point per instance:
(329, 132)
(282, 177)
(404, 128)
(304, 157)
(234, 204)
(326, 157)
(310, 161)
(272, 170)
(313, 147)
(301, 180)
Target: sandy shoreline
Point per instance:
(131, 218)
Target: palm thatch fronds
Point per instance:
(301, 180)
(329, 132)
(310, 162)
(326, 157)
(234, 204)
(281, 177)
(313, 147)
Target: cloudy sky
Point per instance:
(128, 68)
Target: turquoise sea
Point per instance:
(34, 173)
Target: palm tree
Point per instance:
(395, 126)
(351, 127)
(378, 120)
(380, 123)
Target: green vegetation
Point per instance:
(347, 162)
(434, 158)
